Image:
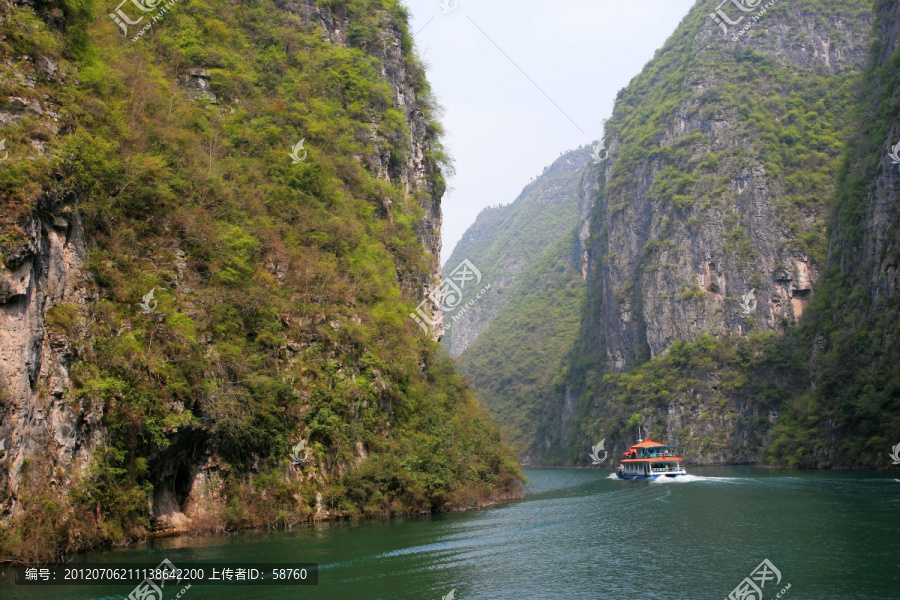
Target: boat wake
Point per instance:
(686, 479)
(693, 478)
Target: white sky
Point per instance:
(501, 130)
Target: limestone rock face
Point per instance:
(196, 81)
(43, 274)
(674, 267)
(882, 245)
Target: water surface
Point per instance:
(581, 535)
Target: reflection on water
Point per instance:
(583, 534)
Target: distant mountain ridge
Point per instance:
(516, 358)
(505, 241)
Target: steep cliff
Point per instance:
(722, 157)
(707, 231)
(849, 414)
(506, 242)
(213, 232)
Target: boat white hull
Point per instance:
(653, 476)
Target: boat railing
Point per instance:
(666, 469)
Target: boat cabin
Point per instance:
(651, 459)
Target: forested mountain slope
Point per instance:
(850, 413)
(515, 360)
(505, 242)
(271, 172)
(726, 196)
(740, 253)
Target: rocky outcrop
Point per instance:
(698, 235)
(587, 197)
(881, 253)
(43, 285)
(196, 83)
(42, 282)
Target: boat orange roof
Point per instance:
(648, 443)
(654, 460)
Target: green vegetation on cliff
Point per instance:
(728, 173)
(515, 359)
(824, 392)
(506, 242)
(283, 289)
(709, 131)
(511, 341)
(688, 394)
(851, 414)
(832, 381)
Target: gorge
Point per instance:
(220, 278)
(736, 252)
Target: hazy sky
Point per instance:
(502, 130)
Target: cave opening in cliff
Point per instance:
(182, 485)
(171, 493)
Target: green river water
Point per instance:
(578, 534)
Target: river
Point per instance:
(580, 534)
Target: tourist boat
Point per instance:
(649, 460)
